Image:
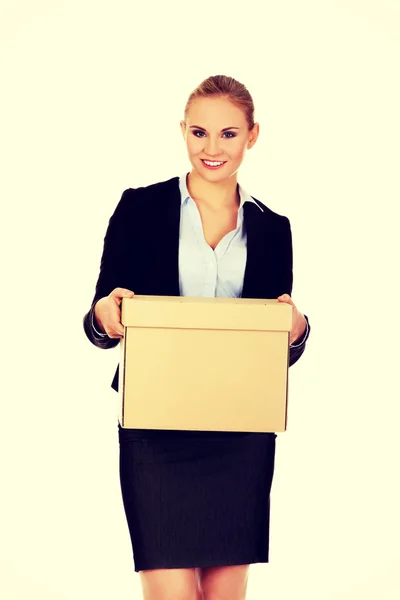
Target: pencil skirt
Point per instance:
(196, 498)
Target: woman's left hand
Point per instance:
(299, 322)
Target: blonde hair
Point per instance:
(225, 87)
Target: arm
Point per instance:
(297, 347)
(111, 270)
(91, 328)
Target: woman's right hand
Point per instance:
(108, 312)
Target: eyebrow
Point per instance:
(202, 128)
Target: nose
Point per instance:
(211, 147)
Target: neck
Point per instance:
(221, 194)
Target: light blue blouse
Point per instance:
(202, 270)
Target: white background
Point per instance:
(92, 94)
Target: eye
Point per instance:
(226, 133)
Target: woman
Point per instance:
(197, 502)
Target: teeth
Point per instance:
(213, 164)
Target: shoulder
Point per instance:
(137, 200)
(153, 190)
(272, 215)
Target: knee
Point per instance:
(224, 583)
(170, 584)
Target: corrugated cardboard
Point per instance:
(206, 364)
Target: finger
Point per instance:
(115, 334)
(121, 293)
(116, 328)
(286, 298)
(120, 330)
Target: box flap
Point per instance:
(190, 312)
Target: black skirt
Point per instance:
(196, 498)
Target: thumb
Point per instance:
(121, 292)
(118, 293)
(286, 299)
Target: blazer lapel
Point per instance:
(254, 278)
(163, 270)
(162, 258)
(171, 226)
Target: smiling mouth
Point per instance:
(213, 163)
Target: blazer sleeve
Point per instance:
(297, 349)
(111, 267)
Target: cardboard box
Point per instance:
(207, 364)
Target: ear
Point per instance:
(253, 135)
(183, 128)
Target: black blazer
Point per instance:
(141, 246)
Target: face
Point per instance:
(216, 130)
